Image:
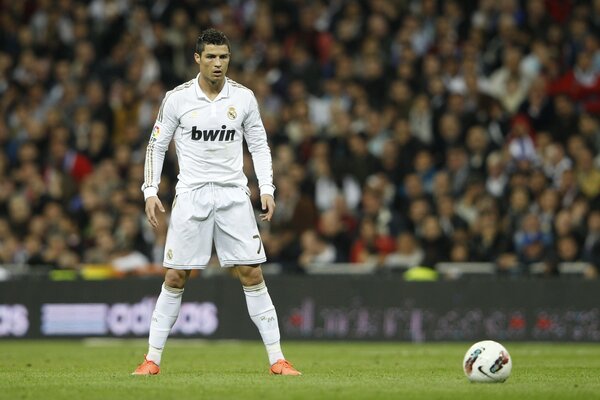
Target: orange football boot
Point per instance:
(283, 367)
(147, 368)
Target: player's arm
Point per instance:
(162, 133)
(256, 138)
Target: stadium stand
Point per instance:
(404, 133)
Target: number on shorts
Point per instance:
(259, 243)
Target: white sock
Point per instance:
(262, 312)
(164, 316)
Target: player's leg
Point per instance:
(164, 316)
(238, 245)
(165, 312)
(261, 309)
(263, 314)
(188, 246)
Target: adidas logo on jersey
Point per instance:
(220, 135)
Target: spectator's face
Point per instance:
(554, 153)
(284, 155)
(357, 145)
(53, 211)
(95, 93)
(371, 202)
(423, 161)
(129, 227)
(98, 134)
(105, 241)
(549, 200)
(37, 226)
(476, 139)
(585, 160)
(367, 230)
(400, 92)
(594, 222)
(330, 223)
(456, 159)
(534, 251)
(562, 223)
(564, 106)
(512, 58)
(567, 248)
(28, 153)
(406, 243)
(431, 65)
(418, 210)
(456, 104)
(213, 62)
(436, 87)
(58, 149)
(431, 228)
(441, 183)
(402, 131)
(4, 229)
(390, 153)
(488, 220)
(531, 224)
(450, 128)
(459, 253)
(33, 245)
(537, 181)
(588, 125)
(536, 8)
(421, 104)
(519, 200)
(446, 206)
(57, 242)
(413, 185)
(19, 209)
(520, 129)
(537, 92)
(575, 146)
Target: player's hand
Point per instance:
(268, 205)
(152, 203)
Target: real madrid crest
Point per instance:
(231, 113)
(170, 254)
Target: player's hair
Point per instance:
(211, 36)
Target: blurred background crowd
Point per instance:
(403, 132)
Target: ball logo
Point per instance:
(156, 131)
(500, 362)
(231, 113)
(469, 363)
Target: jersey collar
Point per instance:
(201, 95)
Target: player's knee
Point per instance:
(176, 278)
(250, 276)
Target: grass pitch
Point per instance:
(332, 370)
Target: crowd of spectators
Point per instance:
(404, 133)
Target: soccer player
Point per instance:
(208, 117)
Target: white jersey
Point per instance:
(208, 137)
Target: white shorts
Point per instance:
(212, 212)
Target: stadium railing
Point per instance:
(446, 270)
(453, 270)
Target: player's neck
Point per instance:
(211, 88)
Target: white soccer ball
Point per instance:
(487, 361)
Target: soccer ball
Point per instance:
(487, 361)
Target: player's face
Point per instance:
(213, 62)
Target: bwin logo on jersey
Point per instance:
(220, 135)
